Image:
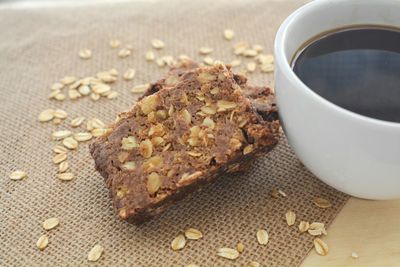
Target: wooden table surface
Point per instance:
(369, 228)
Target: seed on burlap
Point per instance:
(95, 253)
(85, 54)
(59, 149)
(304, 226)
(193, 234)
(229, 34)
(320, 247)
(70, 143)
(50, 223)
(178, 243)
(254, 264)
(77, 122)
(262, 237)
(61, 114)
(59, 97)
(58, 135)
(68, 80)
(322, 203)
(290, 217)
(205, 50)
(17, 175)
(129, 74)
(141, 88)
(63, 167)
(59, 158)
(240, 247)
(228, 253)
(42, 242)
(150, 56)
(82, 137)
(66, 176)
(46, 115)
(157, 44)
(114, 43)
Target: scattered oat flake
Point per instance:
(46, 115)
(17, 175)
(205, 50)
(141, 88)
(56, 86)
(254, 264)
(282, 193)
(59, 149)
(193, 234)
(262, 237)
(258, 47)
(304, 226)
(42, 242)
(114, 43)
(112, 95)
(178, 243)
(240, 247)
(322, 203)
(51, 223)
(150, 56)
(290, 217)
(58, 135)
(160, 62)
(61, 114)
(57, 121)
(251, 66)
(59, 97)
(228, 253)
(99, 132)
(76, 122)
(68, 80)
(97, 123)
(267, 68)
(95, 253)
(85, 54)
(70, 143)
(113, 72)
(157, 44)
(63, 167)
(235, 63)
(94, 96)
(208, 60)
(59, 158)
(320, 247)
(66, 176)
(124, 52)
(129, 74)
(82, 137)
(354, 255)
(229, 34)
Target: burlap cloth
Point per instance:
(40, 46)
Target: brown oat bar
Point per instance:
(178, 139)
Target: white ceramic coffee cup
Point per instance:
(353, 153)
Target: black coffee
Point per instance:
(355, 68)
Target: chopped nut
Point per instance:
(240, 247)
(82, 137)
(141, 88)
(17, 175)
(129, 166)
(129, 143)
(304, 226)
(58, 135)
(77, 121)
(320, 247)
(63, 167)
(157, 44)
(42, 242)
(114, 43)
(59, 158)
(262, 237)
(290, 217)
(95, 253)
(85, 54)
(124, 52)
(229, 34)
(70, 143)
(205, 50)
(66, 176)
(178, 243)
(46, 115)
(322, 203)
(50, 223)
(228, 253)
(193, 234)
(129, 74)
(150, 56)
(254, 264)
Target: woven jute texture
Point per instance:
(40, 46)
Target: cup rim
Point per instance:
(283, 62)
